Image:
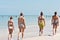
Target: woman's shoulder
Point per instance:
(10, 21)
(43, 17)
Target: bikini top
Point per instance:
(41, 18)
(10, 23)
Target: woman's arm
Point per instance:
(18, 22)
(13, 25)
(38, 20)
(24, 24)
(8, 24)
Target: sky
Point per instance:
(29, 7)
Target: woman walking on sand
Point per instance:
(21, 25)
(41, 23)
(55, 22)
(10, 28)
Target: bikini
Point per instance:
(10, 25)
(21, 23)
(41, 22)
(55, 22)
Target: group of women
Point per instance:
(41, 24)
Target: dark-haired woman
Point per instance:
(55, 22)
(10, 28)
(21, 25)
(41, 23)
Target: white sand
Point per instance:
(55, 37)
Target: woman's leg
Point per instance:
(22, 30)
(11, 35)
(19, 33)
(55, 29)
(39, 30)
(8, 36)
(42, 30)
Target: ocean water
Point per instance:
(31, 21)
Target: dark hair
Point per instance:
(11, 17)
(41, 13)
(55, 13)
(21, 14)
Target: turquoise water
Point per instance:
(30, 20)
